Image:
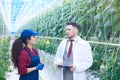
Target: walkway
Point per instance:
(45, 74)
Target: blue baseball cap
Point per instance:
(28, 33)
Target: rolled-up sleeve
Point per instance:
(23, 62)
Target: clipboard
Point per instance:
(65, 66)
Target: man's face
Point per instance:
(71, 31)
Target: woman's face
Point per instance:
(32, 40)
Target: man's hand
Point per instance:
(59, 65)
(72, 68)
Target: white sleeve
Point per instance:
(87, 59)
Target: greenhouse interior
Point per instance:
(98, 20)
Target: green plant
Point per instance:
(97, 18)
(3, 28)
(106, 61)
(47, 45)
(4, 57)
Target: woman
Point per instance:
(25, 57)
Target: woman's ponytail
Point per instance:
(15, 51)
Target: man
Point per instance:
(74, 55)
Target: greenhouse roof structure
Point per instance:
(17, 12)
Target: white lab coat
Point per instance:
(82, 58)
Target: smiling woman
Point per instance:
(26, 58)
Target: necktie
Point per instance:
(70, 48)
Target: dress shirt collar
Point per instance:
(79, 40)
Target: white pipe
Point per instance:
(93, 42)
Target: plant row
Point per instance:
(98, 19)
(4, 56)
